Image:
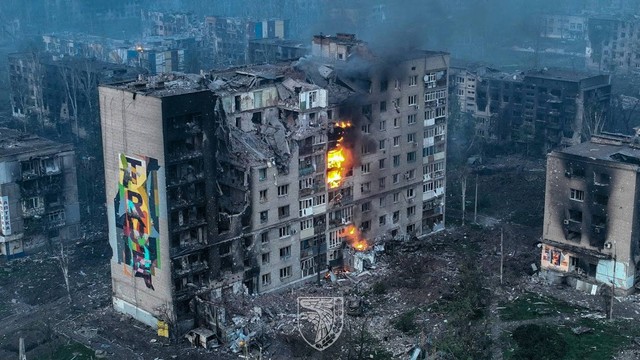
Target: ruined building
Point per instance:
(60, 94)
(229, 37)
(613, 43)
(590, 236)
(251, 179)
(537, 110)
(38, 192)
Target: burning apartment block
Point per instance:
(250, 179)
(590, 235)
(537, 110)
(38, 192)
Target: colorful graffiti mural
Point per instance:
(137, 212)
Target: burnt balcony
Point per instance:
(187, 248)
(180, 156)
(187, 179)
(189, 225)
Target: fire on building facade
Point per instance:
(254, 178)
(538, 110)
(38, 192)
(590, 236)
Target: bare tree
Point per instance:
(70, 81)
(63, 262)
(594, 119)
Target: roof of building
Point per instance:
(162, 85)
(560, 74)
(614, 148)
(13, 142)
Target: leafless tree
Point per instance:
(594, 119)
(70, 81)
(63, 262)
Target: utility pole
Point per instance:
(501, 253)
(463, 183)
(22, 354)
(475, 207)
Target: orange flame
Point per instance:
(355, 239)
(337, 160)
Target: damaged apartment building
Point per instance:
(537, 110)
(590, 236)
(250, 179)
(38, 193)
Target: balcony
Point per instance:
(307, 170)
(189, 225)
(176, 157)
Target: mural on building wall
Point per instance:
(555, 258)
(137, 212)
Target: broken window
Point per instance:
(263, 195)
(381, 163)
(601, 179)
(365, 168)
(283, 211)
(256, 117)
(382, 220)
(266, 279)
(365, 187)
(396, 141)
(600, 199)
(285, 272)
(575, 215)
(413, 80)
(411, 210)
(283, 190)
(411, 137)
(264, 216)
(262, 174)
(306, 224)
(396, 122)
(364, 207)
(366, 128)
(384, 85)
(396, 160)
(366, 110)
(574, 235)
(382, 144)
(266, 257)
(411, 156)
(284, 231)
(381, 183)
(410, 193)
(411, 228)
(412, 100)
(383, 107)
(264, 237)
(383, 125)
(395, 178)
(411, 119)
(285, 252)
(599, 221)
(395, 217)
(366, 225)
(577, 195)
(236, 101)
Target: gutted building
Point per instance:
(591, 236)
(229, 37)
(251, 179)
(537, 110)
(160, 173)
(38, 192)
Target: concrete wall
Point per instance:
(620, 211)
(132, 125)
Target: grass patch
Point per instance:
(406, 322)
(558, 342)
(74, 351)
(533, 306)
